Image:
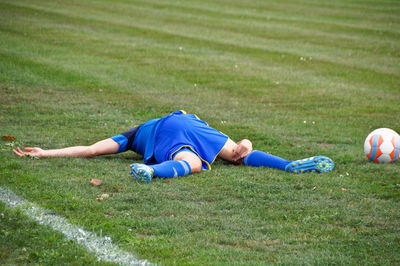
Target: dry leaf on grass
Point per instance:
(8, 138)
(96, 182)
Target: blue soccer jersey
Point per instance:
(159, 140)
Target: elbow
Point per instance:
(91, 152)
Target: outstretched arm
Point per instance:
(107, 146)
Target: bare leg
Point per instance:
(106, 146)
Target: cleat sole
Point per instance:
(318, 164)
(141, 175)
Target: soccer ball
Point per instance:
(382, 146)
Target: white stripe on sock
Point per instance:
(187, 171)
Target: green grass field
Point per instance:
(298, 78)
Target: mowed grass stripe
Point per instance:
(295, 60)
(321, 12)
(227, 12)
(312, 36)
(262, 98)
(313, 46)
(222, 13)
(84, 78)
(230, 85)
(349, 52)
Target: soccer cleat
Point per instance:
(313, 164)
(142, 172)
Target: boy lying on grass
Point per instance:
(180, 144)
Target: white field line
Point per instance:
(102, 247)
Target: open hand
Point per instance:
(37, 152)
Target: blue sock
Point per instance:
(259, 158)
(171, 169)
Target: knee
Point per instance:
(195, 166)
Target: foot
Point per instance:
(313, 164)
(142, 172)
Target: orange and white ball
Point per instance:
(382, 146)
